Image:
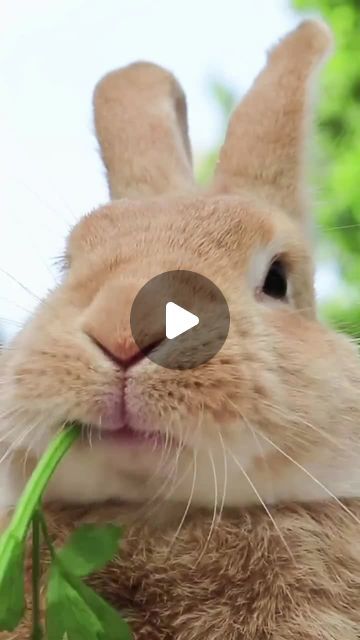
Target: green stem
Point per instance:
(37, 632)
(46, 535)
(36, 486)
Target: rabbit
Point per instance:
(238, 479)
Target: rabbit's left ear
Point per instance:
(264, 150)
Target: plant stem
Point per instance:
(37, 632)
(36, 486)
(46, 535)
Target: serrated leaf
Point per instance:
(68, 615)
(90, 548)
(12, 600)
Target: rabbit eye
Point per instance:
(275, 284)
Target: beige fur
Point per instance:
(244, 585)
(275, 414)
(162, 163)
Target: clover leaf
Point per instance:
(74, 610)
(115, 627)
(67, 614)
(90, 548)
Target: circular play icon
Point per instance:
(179, 319)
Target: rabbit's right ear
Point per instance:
(264, 150)
(141, 125)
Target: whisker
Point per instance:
(44, 202)
(15, 304)
(300, 419)
(257, 442)
(263, 456)
(263, 503)
(13, 446)
(212, 526)
(172, 478)
(222, 504)
(31, 293)
(311, 476)
(90, 432)
(29, 448)
(5, 437)
(186, 510)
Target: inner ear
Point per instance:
(265, 145)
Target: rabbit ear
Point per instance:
(266, 139)
(141, 125)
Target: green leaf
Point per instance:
(90, 548)
(114, 626)
(12, 600)
(76, 612)
(67, 614)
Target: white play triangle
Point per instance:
(178, 320)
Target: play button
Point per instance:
(179, 319)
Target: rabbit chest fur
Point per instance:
(247, 584)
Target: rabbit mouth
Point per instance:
(128, 436)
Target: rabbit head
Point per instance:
(275, 412)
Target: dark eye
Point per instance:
(275, 284)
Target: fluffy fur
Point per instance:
(274, 416)
(244, 585)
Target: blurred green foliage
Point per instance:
(335, 171)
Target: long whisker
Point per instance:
(172, 478)
(169, 479)
(29, 448)
(191, 495)
(89, 433)
(17, 442)
(20, 284)
(311, 476)
(257, 442)
(212, 526)
(58, 212)
(263, 457)
(263, 503)
(222, 504)
(5, 437)
(300, 419)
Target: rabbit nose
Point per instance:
(107, 324)
(123, 352)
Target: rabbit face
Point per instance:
(271, 413)
(144, 424)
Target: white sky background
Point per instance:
(52, 53)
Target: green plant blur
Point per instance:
(339, 137)
(335, 169)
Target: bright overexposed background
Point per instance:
(52, 53)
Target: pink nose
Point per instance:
(123, 352)
(106, 323)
